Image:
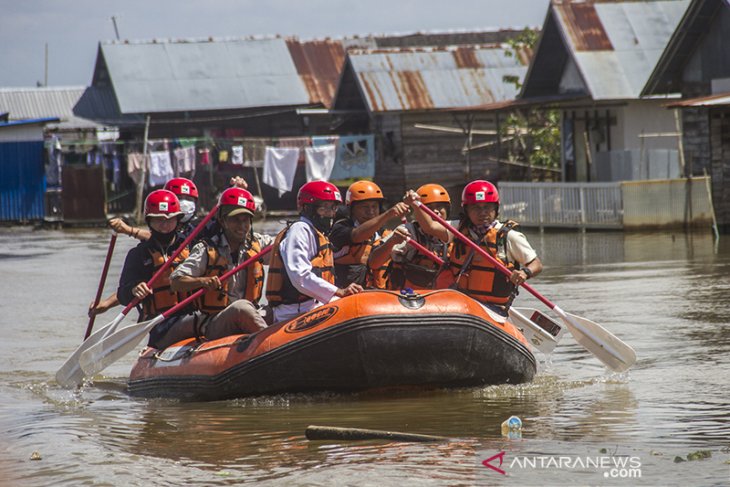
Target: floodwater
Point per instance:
(668, 295)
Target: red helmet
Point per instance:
(363, 191)
(239, 200)
(162, 202)
(182, 187)
(318, 191)
(479, 191)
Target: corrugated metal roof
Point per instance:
(30, 121)
(435, 78)
(616, 44)
(39, 103)
(181, 76)
(319, 63)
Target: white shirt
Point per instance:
(297, 249)
(518, 248)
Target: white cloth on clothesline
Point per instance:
(319, 162)
(237, 155)
(160, 168)
(280, 165)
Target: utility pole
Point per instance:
(116, 31)
(45, 70)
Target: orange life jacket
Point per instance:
(162, 298)
(279, 289)
(213, 302)
(420, 272)
(377, 278)
(478, 277)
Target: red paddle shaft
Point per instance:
(102, 281)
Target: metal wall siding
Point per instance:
(22, 181)
(666, 203)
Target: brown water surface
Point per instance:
(666, 295)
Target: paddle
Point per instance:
(102, 281)
(115, 346)
(535, 334)
(607, 347)
(70, 373)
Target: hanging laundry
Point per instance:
(319, 162)
(55, 159)
(135, 164)
(184, 160)
(237, 155)
(280, 165)
(204, 156)
(160, 168)
(223, 156)
(355, 157)
(254, 151)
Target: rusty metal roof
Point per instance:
(612, 46)
(319, 63)
(436, 78)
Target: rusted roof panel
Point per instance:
(319, 64)
(428, 79)
(584, 27)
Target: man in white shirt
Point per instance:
(301, 273)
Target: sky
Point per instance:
(73, 28)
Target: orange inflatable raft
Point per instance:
(372, 340)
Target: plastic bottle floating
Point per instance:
(512, 428)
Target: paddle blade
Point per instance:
(115, 346)
(607, 347)
(70, 374)
(541, 338)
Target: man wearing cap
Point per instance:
(229, 307)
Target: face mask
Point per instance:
(188, 209)
(322, 223)
(163, 238)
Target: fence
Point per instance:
(632, 204)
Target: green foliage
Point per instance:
(534, 134)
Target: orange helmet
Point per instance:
(162, 202)
(433, 193)
(361, 191)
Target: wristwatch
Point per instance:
(527, 271)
